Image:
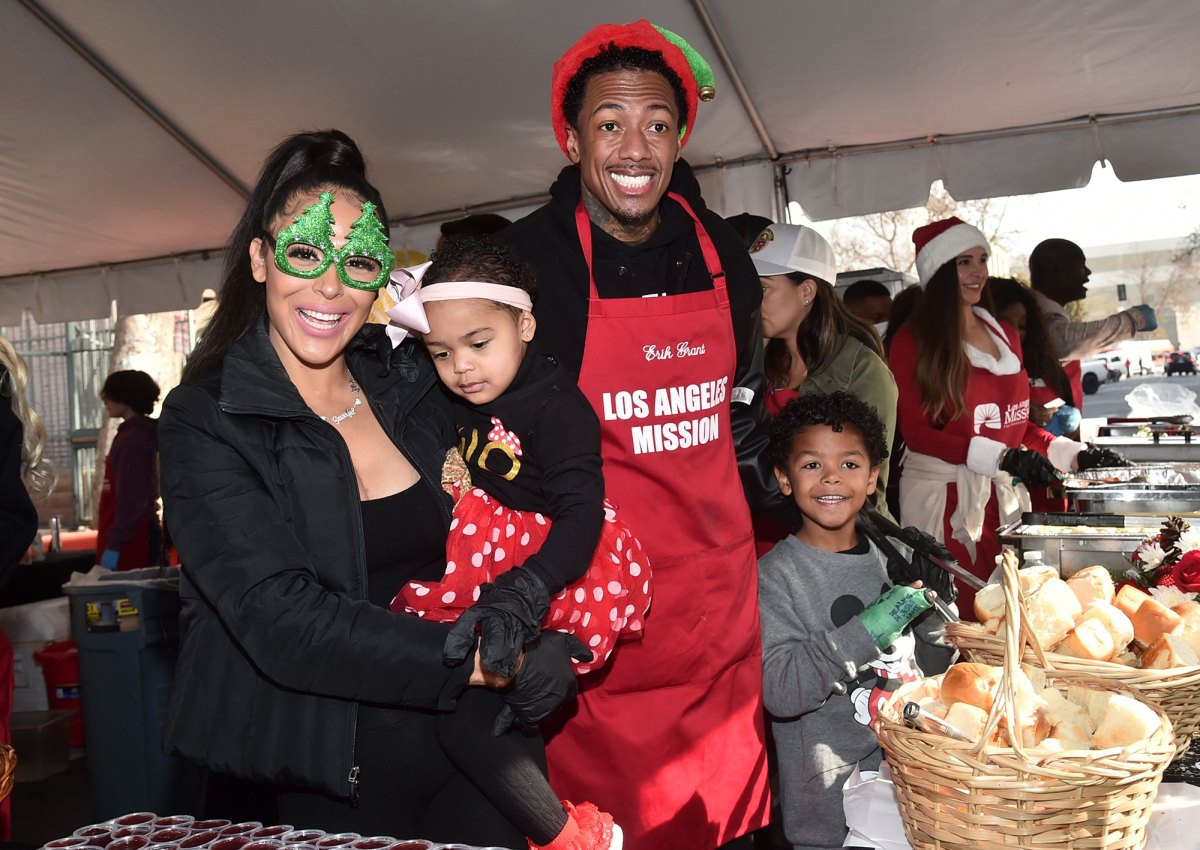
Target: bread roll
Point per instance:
(1053, 608)
(1089, 639)
(1058, 710)
(1152, 619)
(974, 684)
(1190, 611)
(1051, 745)
(1114, 620)
(1169, 651)
(932, 706)
(1032, 578)
(1094, 701)
(1129, 599)
(1072, 736)
(1036, 676)
(1126, 721)
(1092, 585)
(989, 599)
(927, 688)
(989, 603)
(968, 719)
(1128, 658)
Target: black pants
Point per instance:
(510, 769)
(408, 788)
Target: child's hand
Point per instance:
(507, 616)
(480, 675)
(887, 617)
(544, 681)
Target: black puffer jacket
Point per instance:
(279, 642)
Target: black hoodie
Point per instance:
(668, 263)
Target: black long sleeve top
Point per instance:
(558, 471)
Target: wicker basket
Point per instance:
(8, 770)
(1175, 690)
(955, 795)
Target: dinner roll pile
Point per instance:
(1046, 719)
(1085, 617)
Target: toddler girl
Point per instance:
(533, 543)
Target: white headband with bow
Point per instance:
(408, 315)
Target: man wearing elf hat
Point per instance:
(652, 301)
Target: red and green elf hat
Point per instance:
(681, 57)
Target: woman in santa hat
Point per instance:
(964, 407)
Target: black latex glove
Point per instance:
(1094, 457)
(509, 615)
(1030, 468)
(928, 573)
(545, 681)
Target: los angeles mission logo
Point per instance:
(988, 415)
(684, 402)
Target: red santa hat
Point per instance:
(939, 242)
(681, 57)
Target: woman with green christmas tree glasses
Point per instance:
(301, 467)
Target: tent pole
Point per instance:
(735, 78)
(69, 38)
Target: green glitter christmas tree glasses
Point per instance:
(305, 247)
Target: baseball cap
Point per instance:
(788, 248)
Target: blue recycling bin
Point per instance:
(127, 630)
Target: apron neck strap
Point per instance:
(712, 260)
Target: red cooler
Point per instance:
(60, 666)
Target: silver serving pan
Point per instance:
(1070, 548)
(1137, 499)
(1139, 473)
(1139, 490)
(1145, 450)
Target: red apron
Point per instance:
(669, 737)
(136, 552)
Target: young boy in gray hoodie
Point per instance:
(839, 636)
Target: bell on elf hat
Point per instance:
(695, 73)
(939, 242)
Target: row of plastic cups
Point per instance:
(221, 835)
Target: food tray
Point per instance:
(1137, 499)
(1070, 547)
(1139, 473)
(1144, 450)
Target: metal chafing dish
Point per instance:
(1151, 439)
(1139, 490)
(1071, 542)
(1146, 450)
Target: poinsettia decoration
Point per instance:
(1167, 564)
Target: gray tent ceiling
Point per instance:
(128, 130)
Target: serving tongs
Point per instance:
(918, 544)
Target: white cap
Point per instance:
(1032, 554)
(787, 248)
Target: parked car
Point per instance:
(1095, 373)
(1180, 363)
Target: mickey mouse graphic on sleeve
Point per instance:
(882, 677)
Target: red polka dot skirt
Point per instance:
(486, 538)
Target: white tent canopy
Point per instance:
(130, 130)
